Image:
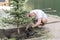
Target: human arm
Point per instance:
(37, 23)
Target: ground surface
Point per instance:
(54, 29)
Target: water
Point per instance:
(42, 4)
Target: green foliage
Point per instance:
(18, 13)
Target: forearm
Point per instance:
(37, 24)
(27, 26)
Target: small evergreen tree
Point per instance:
(18, 13)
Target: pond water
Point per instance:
(45, 4)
